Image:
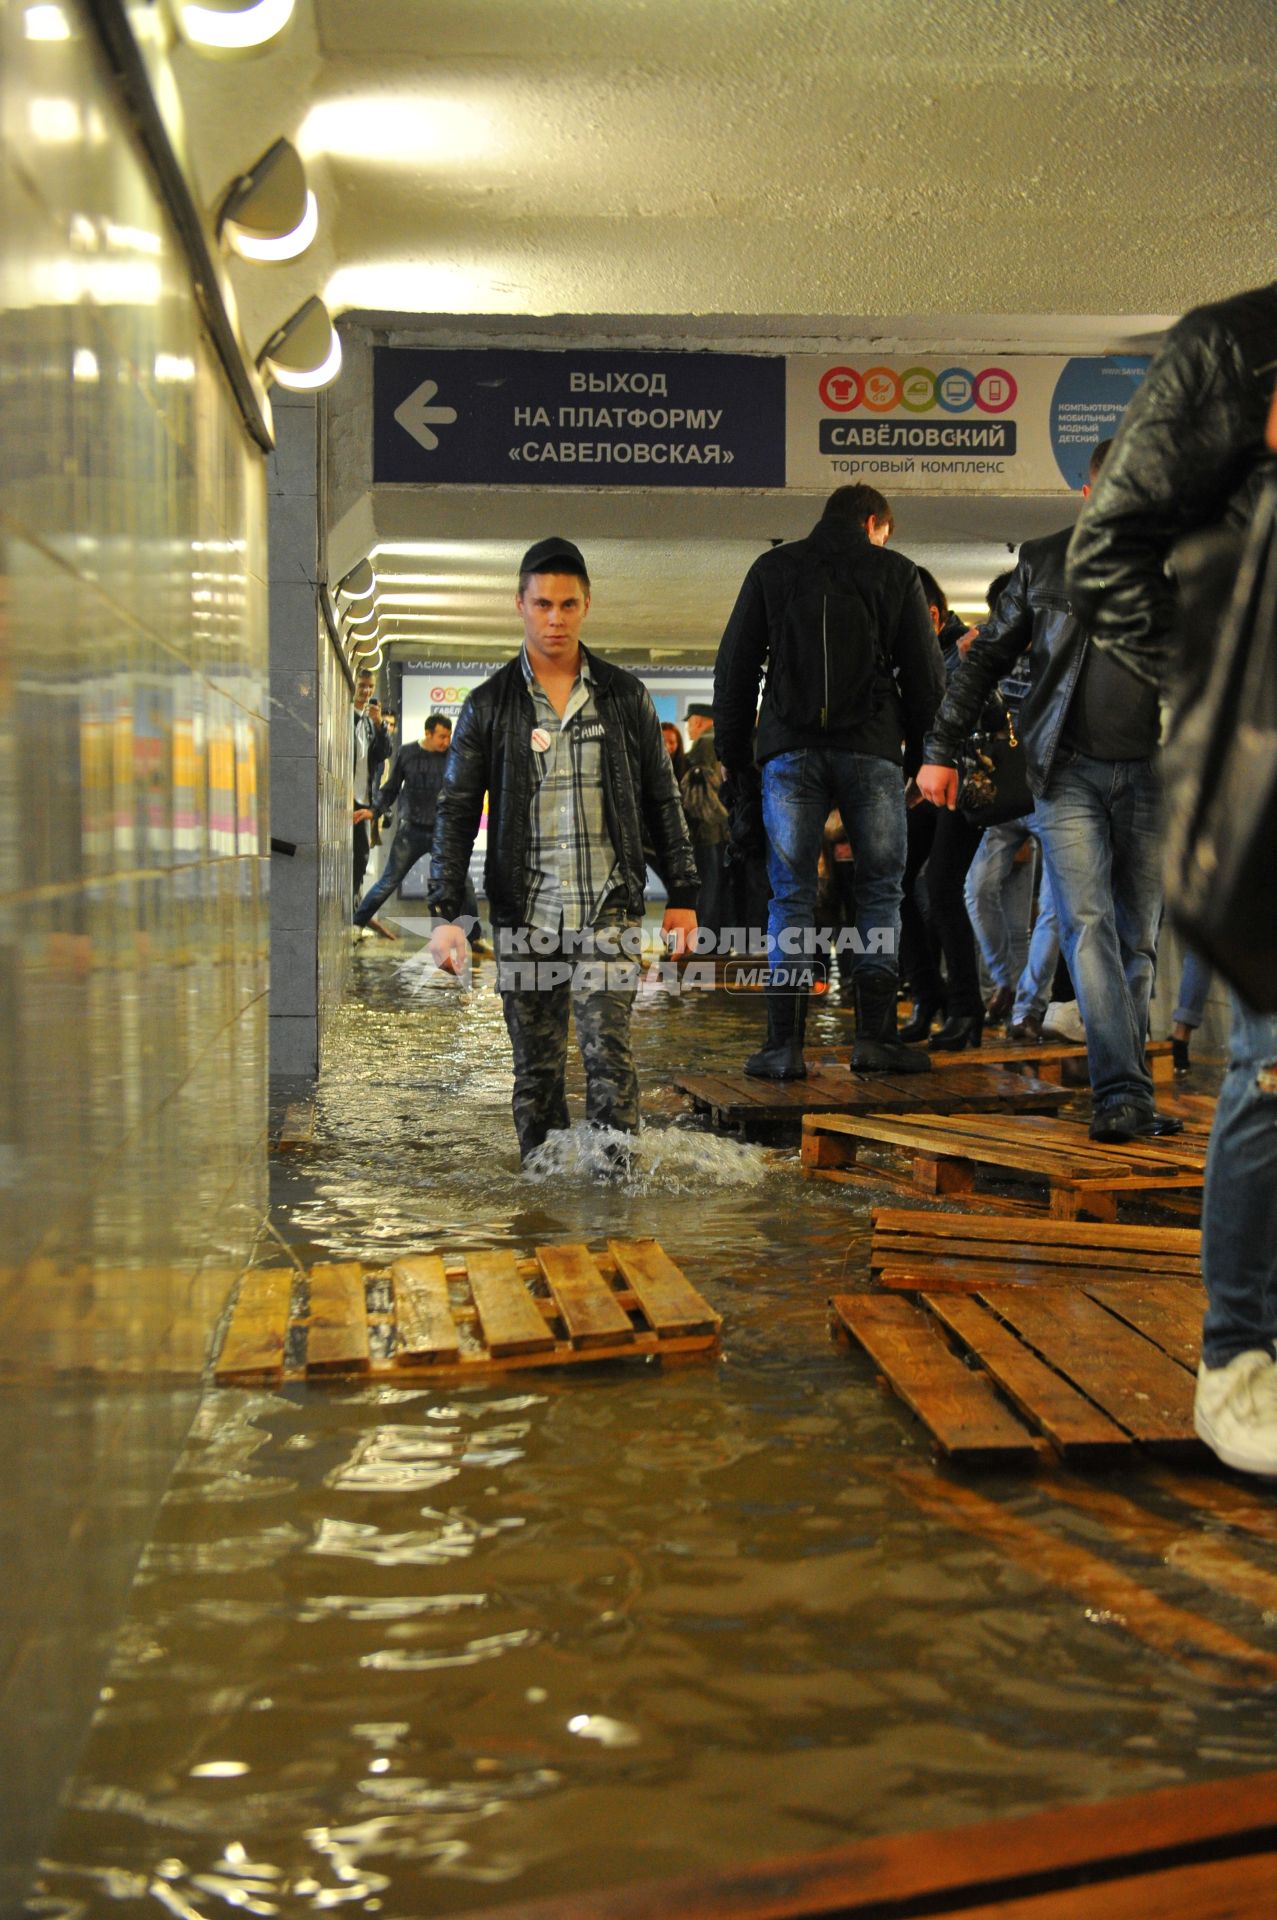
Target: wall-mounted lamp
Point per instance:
(269, 213)
(305, 352)
(232, 26)
(359, 583)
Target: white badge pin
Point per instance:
(540, 740)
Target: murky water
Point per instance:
(421, 1651)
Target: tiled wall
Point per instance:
(133, 733)
(310, 759)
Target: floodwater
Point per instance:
(423, 1651)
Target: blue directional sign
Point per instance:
(503, 417)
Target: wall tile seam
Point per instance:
(54, 890)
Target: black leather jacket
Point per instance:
(492, 753)
(884, 592)
(1189, 455)
(1033, 611)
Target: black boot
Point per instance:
(918, 1026)
(877, 1049)
(782, 1057)
(960, 1031)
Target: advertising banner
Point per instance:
(983, 423)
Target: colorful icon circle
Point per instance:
(881, 389)
(917, 390)
(955, 390)
(840, 389)
(995, 390)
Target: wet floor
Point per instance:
(421, 1651)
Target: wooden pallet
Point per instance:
(483, 1312)
(1061, 1062)
(1178, 1853)
(298, 1129)
(737, 1101)
(1003, 1372)
(945, 1154)
(914, 1251)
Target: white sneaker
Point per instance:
(1235, 1411)
(1062, 1021)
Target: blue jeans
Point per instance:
(1239, 1207)
(1100, 825)
(1033, 990)
(1194, 987)
(999, 895)
(410, 844)
(799, 790)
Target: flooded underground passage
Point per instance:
(409, 1649)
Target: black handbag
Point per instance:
(1220, 771)
(993, 773)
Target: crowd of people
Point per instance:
(848, 699)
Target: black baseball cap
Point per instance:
(543, 554)
(698, 711)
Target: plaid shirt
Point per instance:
(571, 860)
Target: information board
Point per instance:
(502, 417)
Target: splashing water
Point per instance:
(670, 1159)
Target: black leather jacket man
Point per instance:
(492, 753)
(415, 780)
(879, 594)
(1033, 612)
(1188, 457)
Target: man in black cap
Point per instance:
(569, 752)
(707, 818)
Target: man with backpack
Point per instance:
(699, 790)
(854, 678)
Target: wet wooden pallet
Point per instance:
(938, 1252)
(938, 1155)
(298, 1129)
(1205, 1852)
(484, 1312)
(1061, 1062)
(739, 1102)
(1005, 1371)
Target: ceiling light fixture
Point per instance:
(359, 582)
(232, 26)
(269, 213)
(305, 353)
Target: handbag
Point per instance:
(1220, 770)
(993, 772)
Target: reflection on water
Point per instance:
(403, 1651)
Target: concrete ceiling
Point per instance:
(1074, 171)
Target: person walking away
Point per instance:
(569, 751)
(1191, 455)
(1089, 740)
(853, 679)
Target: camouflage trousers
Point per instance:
(597, 982)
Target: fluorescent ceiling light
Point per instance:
(287, 246)
(46, 23)
(234, 28)
(55, 123)
(305, 353)
(398, 130)
(84, 364)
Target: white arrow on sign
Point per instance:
(417, 417)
